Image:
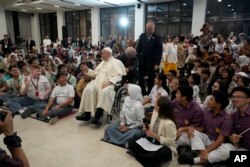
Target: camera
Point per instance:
(2, 115)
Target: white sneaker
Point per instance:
(53, 120)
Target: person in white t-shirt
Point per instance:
(61, 101)
(46, 42)
(34, 90)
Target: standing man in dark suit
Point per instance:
(6, 44)
(30, 44)
(83, 42)
(149, 50)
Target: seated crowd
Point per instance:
(198, 108)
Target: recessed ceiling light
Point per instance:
(208, 12)
(232, 9)
(184, 4)
(234, 13)
(39, 8)
(77, 4)
(219, 0)
(177, 10)
(56, 6)
(23, 10)
(229, 5)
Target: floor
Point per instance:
(70, 143)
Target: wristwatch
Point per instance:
(12, 141)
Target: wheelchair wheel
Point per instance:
(119, 100)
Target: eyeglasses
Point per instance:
(238, 97)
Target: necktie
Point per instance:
(148, 37)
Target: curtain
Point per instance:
(24, 25)
(10, 25)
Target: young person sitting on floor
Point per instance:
(131, 119)
(241, 119)
(162, 131)
(11, 87)
(210, 145)
(61, 101)
(34, 90)
(159, 89)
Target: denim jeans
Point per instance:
(18, 103)
(53, 112)
(8, 96)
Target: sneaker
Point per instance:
(26, 113)
(86, 116)
(53, 120)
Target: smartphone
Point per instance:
(2, 115)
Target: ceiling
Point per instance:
(45, 6)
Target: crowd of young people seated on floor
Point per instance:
(199, 106)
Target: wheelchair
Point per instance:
(121, 93)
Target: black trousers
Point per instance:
(150, 158)
(150, 73)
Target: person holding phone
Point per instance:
(13, 142)
(162, 131)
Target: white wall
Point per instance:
(139, 20)
(95, 25)
(60, 23)
(35, 29)
(3, 27)
(199, 16)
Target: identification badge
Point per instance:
(37, 93)
(186, 122)
(6, 46)
(217, 130)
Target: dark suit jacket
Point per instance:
(132, 64)
(149, 51)
(32, 43)
(7, 49)
(83, 43)
(66, 43)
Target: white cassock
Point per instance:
(93, 95)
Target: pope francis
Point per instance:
(99, 94)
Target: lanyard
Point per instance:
(36, 86)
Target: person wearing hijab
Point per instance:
(131, 119)
(57, 61)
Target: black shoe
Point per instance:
(183, 150)
(28, 112)
(96, 121)
(1, 103)
(129, 152)
(98, 115)
(86, 116)
(188, 158)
